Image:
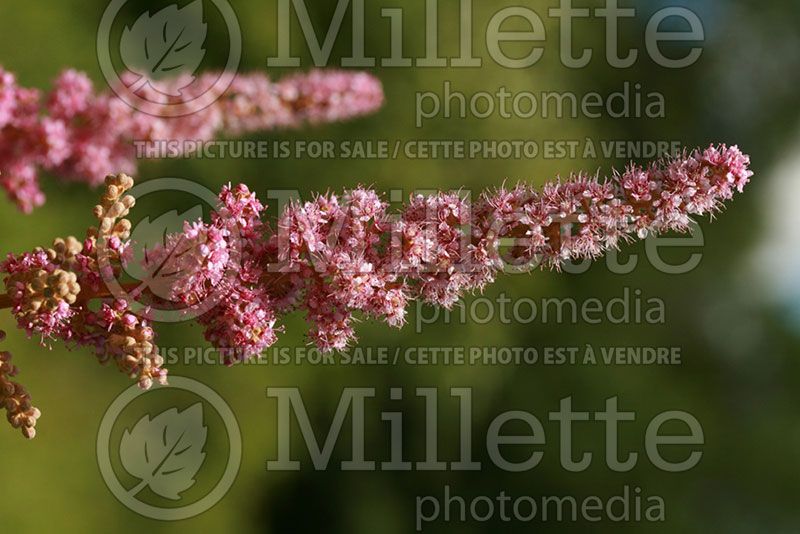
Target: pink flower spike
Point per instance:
(338, 259)
(82, 135)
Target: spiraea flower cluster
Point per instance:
(339, 258)
(79, 134)
(336, 258)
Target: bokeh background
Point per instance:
(736, 317)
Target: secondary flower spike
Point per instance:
(336, 258)
(82, 135)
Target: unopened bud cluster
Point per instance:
(43, 297)
(14, 398)
(60, 293)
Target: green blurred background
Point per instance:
(735, 316)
